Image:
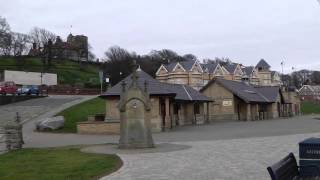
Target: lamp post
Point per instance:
(282, 64)
(108, 81)
(101, 80)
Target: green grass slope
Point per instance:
(310, 108)
(80, 112)
(69, 72)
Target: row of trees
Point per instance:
(117, 61)
(302, 77)
(17, 44)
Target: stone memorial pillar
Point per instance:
(135, 125)
(11, 135)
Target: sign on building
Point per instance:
(30, 78)
(227, 103)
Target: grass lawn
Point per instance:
(80, 113)
(69, 72)
(56, 163)
(309, 108)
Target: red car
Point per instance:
(8, 87)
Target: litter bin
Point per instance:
(309, 153)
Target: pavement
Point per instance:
(233, 159)
(222, 150)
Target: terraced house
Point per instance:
(197, 75)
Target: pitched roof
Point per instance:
(155, 87)
(247, 92)
(230, 67)
(248, 70)
(263, 64)
(186, 64)
(170, 66)
(210, 66)
(270, 92)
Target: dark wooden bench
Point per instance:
(288, 169)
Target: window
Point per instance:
(176, 108)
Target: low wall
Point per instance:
(10, 137)
(12, 99)
(222, 117)
(98, 127)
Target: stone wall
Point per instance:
(223, 109)
(3, 139)
(96, 127)
(12, 99)
(10, 137)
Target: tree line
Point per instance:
(18, 44)
(117, 61)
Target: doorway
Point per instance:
(163, 113)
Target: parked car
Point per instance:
(28, 90)
(8, 87)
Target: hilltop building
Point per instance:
(75, 48)
(197, 75)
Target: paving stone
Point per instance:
(236, 159)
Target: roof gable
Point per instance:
(263, 64)
(161, 69)
(231, 67)
(218, 71)
(178, 68)
(197, 66)
(238, 71)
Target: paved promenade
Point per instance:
(236, 159)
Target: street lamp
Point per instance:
(108, 81)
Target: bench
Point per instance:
(287, 169)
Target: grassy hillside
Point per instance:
(309, 108)
(69, 72)
(80, 112)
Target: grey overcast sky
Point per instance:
(243, 30)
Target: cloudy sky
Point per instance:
(243, 30)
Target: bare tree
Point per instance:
(91, 55)
(116, 53)
(315, 77)
(190, 57)
(5, 37)
(19, 44)
(41, 36)
(166, 55)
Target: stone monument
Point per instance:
(135, 106)
(11, 135)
